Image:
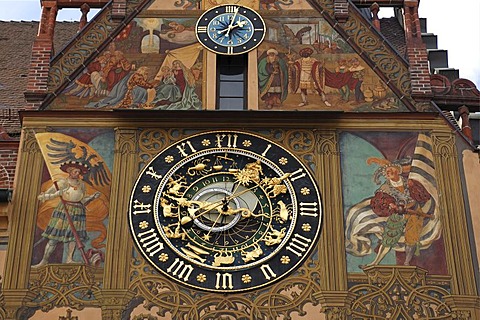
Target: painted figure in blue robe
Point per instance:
(273, 79)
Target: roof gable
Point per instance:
(171, 37)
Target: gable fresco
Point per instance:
(175, 5)
(253, 4)
(154, 63)
(157, 63)
(284, 5)
(391, 202)
(206, 4)
(73, 209)
(304, 64)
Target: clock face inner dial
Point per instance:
(225, 211)
(230, 29)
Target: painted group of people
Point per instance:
(101, 75)
(172, 88)
(306, 74)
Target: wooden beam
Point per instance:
(381, 3)
(63, 4)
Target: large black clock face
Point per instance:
(230, 29)
(225, 211)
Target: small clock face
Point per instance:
(230, 29)
(225, 211)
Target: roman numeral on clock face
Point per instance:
(182, 148)
(268, 272)
(140, 208)
(229, 139)
(201, 29)
(180, 269)
(150, 241)
(297, 175)
(224, 281)
(308, 209)
(231, 9)
(298, 245)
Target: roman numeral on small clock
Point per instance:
(201, 29)
(231, 9)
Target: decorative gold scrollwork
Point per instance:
(65, 285)
(282, 299)
(399, 293)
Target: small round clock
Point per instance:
(225, 211)
(230, 29)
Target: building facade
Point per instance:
(249, 159)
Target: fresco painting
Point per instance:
(154, 63)
(306, 65)
(175, 5)
(391, 207)
(253, 4)
(277, 5)
(274, 5)
(72, 219)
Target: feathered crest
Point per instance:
(403, 165)
(62, 152)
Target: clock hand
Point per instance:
(230, 26)
(216, 204)
(213, 225)
(209, 206)
(239, 24)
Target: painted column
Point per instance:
(115, 295)
(17, 268)
(334, 297)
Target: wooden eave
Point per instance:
(230, 119)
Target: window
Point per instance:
(231, 82)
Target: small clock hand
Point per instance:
(230, 26)
(239, 24)
(222, 31)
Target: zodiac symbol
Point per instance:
(174, 234)
(275, 236)
(175, 186)
(251, 255)
(199, 168)
(223, 258)
(282, 212)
